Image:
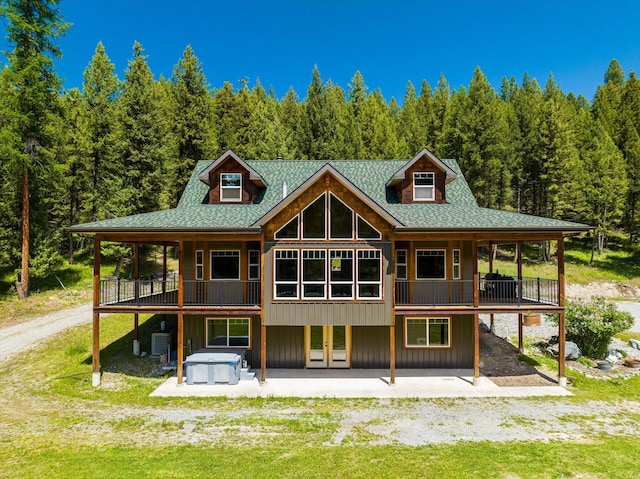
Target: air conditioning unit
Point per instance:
(159, 343)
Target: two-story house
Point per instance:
(330, 264)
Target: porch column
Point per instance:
(179, 363)
(392, 351)
(95, 359)
(136, 269)
(476, 326)
(520, 315)
(492, 324)
(263, 350)
(164, 271)
(562, 378)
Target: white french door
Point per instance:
(327, 346)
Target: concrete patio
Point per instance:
(359, 383)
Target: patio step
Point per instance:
(246, 375)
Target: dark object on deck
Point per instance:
(499, 286)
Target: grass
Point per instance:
(55, 424)
(592, 459)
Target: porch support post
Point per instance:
(179, 363)
(392, 351)
(136, 270)
(562, 378)
(263, 350)
(136, 323)
(95, 359)
(180, 348)
(520, 316)
(476, 319)
(492, 324)
(164, 270)
(476, 350)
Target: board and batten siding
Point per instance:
(194, 329)
(459, 356)
(327, 312)
(285, 347)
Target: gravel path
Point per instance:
(24, 336)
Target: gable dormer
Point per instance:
(231, 180)
(422, 180)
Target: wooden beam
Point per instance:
(136, 333)
(181, 274)
(180, 349)
(492, 320)
(392, 351)
(136, 269)
(95, 359)
(263, 350)
(476, 348)
(164, 268)
(562, 379)
(520, 316)
(476, 277)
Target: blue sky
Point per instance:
(389, 42)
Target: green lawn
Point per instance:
(53, 423)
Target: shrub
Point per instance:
(592, 324)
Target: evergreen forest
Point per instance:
(121, 146)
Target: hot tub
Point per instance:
(211, 368)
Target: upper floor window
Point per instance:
(231, 187)
(327, 218)
(225, 265)
(430, 264)
(456, 264)
(199, 264)
(424, 186)
(254, 265)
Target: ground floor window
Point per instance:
(228, 332)
(427, 332)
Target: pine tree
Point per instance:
(143, 136)
(357, 101)
(101, 89)
(191, 119)
(630, 146)
(33, 27)
(316, 128)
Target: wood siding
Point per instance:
(285, 347)
(327, 312)
(405, 188)
(459, 356)
(249, 189)
(194, 329)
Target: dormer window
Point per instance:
(423, 186)
(231, 187)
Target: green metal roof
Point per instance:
(461, 212)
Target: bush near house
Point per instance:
(592, 324)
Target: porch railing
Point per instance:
(165, 293)
(460, 292)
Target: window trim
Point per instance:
(326, 226)
(198, 264)
(228, 188)
(206, 333)
(303, 283)
(368, 282)
(406, 269)
(454, 264)
(357, 230)
(236, 253)
(297, 236)
(427, 174)
(250, 264)
(418, 250)
(276, 282)
(330, 282)
(427, 345)
(353, 220)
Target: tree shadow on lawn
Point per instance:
(118, 357)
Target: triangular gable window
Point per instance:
(341, 219)
(288, 231)
(366, 231)
(313, 220)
